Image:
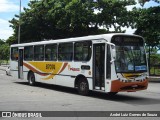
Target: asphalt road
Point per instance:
(17, 95)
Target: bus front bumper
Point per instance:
(118, 86)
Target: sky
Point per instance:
(9, 8)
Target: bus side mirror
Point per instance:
(113, 52)
(112, 61)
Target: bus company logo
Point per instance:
(73, 69)
(6, 114)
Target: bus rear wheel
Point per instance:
(31, 79)
(83, 87)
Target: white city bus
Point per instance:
(108, 63)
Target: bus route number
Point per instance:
(50, 66)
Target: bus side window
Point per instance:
(14, 53)
(65, 51)
(82, 51)
(51, 52)
(28, 53)
(39, 52)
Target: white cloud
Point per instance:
(146, 5)
(130, 7)
(6, 6)
(7, 9)
(151, 4)
(5, 30)
(129, 30)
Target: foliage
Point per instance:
(114, 14)
(148, 25)
(11, 40)
(154, 64)
(55, 19)
(155, 59)
(4, 51)
(1, 42)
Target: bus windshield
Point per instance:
(130, 56)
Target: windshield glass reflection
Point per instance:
(130, 59)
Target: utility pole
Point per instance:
(19, 28)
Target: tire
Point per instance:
(31, 79)
(83, 87)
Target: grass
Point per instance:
(4, 62)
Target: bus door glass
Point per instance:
(20, 63)
(99, 65)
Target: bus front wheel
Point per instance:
(31, 79)
(83, 88)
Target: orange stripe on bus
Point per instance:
(34, 70)
(117, 86)
(64, 66)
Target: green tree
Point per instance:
(154, 59)
(1, 56)
(148, 25)
(11, 40)
(114, 14)
(1, 42)
(54, 19)
(4, 52)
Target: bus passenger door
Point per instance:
(98, 66)
(20, 63)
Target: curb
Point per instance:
(154, 79)
(3, 68)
